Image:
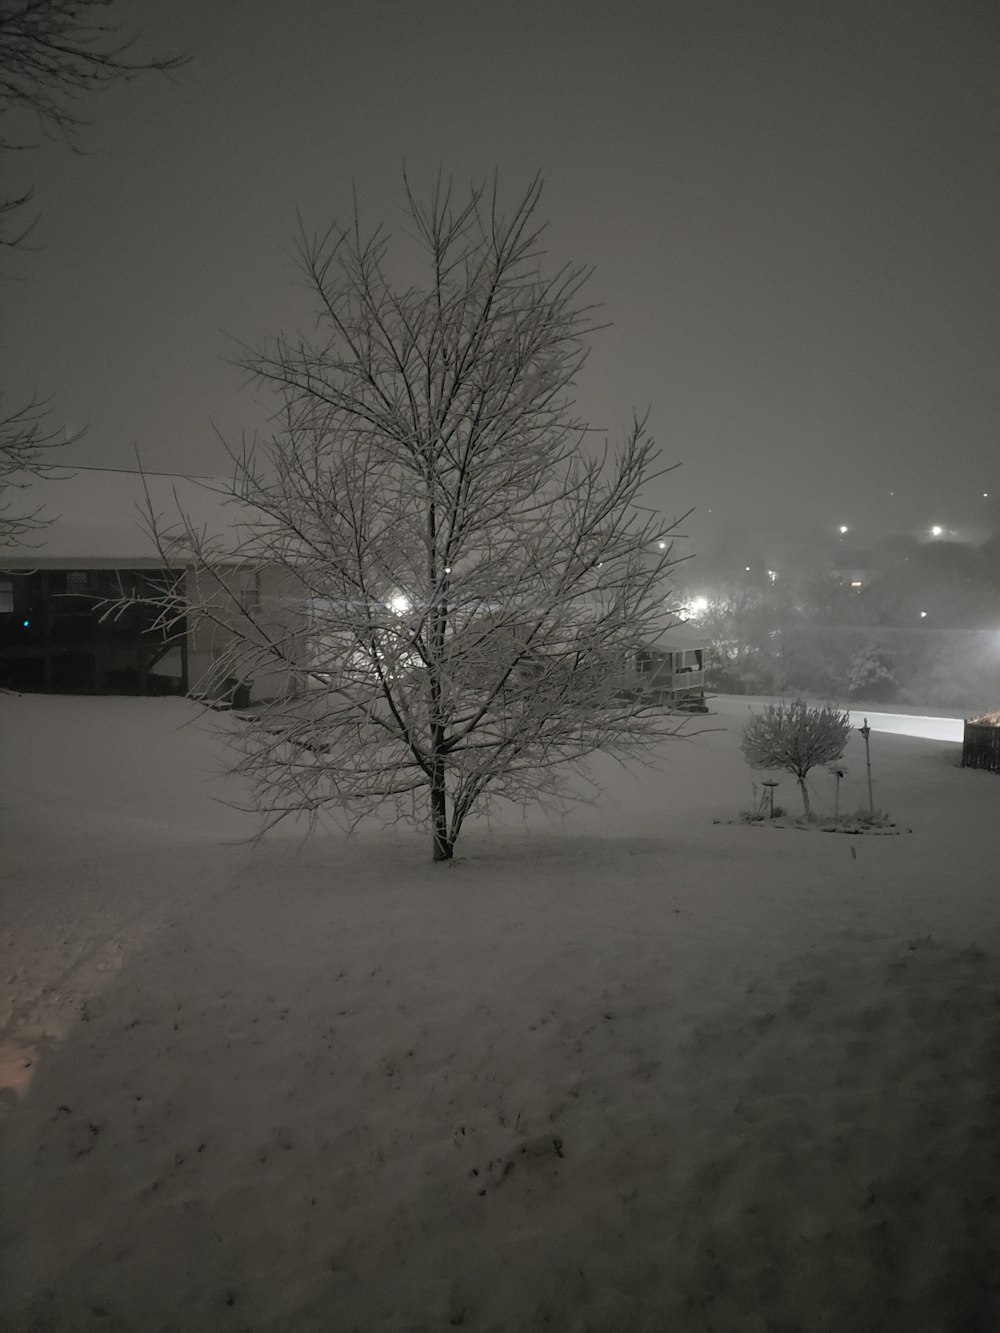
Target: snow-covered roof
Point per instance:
(99, 517)
(681, 639)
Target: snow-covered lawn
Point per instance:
(906, 724)
(633, 1069)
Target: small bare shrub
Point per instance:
(796, 737)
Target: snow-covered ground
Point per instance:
(642, 1068)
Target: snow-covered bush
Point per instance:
(796, 737)
(872, 675)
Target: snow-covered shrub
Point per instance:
(739, 673)
(796, 737)
(872, 675)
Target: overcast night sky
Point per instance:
(793, 209)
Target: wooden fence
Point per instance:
(981, 747)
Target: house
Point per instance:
(675, 668)
(78, 609)
(59, 632)
(853, 568)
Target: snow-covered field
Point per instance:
(907, 724)
(643, 1068)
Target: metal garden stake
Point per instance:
(866, 731)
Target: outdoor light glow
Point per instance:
(699, 605)
(936, 531)
(855, 583)
(772, 574)
(843, 528)
(747, 568)
(400, 604)
(663, 546)
(923, 615)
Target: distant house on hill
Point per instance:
(56, 583)
(853, 568)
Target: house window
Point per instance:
(250, 592)
(6, 597)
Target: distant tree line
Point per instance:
(924, 628)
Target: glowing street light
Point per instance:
(936, 530)
(843, 529)
(400, 604)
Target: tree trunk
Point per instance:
(805, 797)
(443, 846)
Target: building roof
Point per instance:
(681, 638)
(100, 517)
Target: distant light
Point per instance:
(936, 531)
(855, 583)
(447, 569)
(400, 604)
(986, 495)
(843, 528)
(772, 574)
(699, 605)
(662, 545)
(923, 615)
(747, 568)
(25, 623)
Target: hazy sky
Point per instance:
(793, 207)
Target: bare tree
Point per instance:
(457, 584)
(26, 439)
(796, 737)
(53, 53)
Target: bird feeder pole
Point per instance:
(866, 731)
